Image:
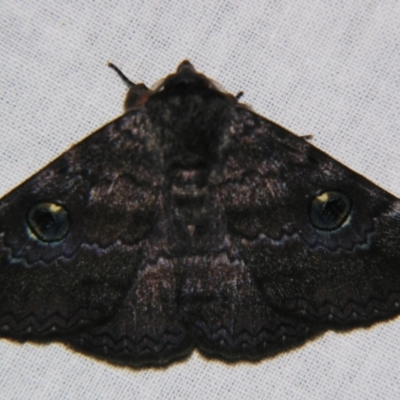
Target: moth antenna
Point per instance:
(239, 95)
(121, 75)
(307, 137)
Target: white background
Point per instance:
(326, 68)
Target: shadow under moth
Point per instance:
(192, 222)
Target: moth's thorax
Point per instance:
(190, 117)
(190, 128)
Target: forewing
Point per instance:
(307, 260)
(53, 282)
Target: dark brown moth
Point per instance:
(192, 222)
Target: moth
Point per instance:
(192, 222)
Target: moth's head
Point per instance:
(186, 81)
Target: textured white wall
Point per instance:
(330, 69)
